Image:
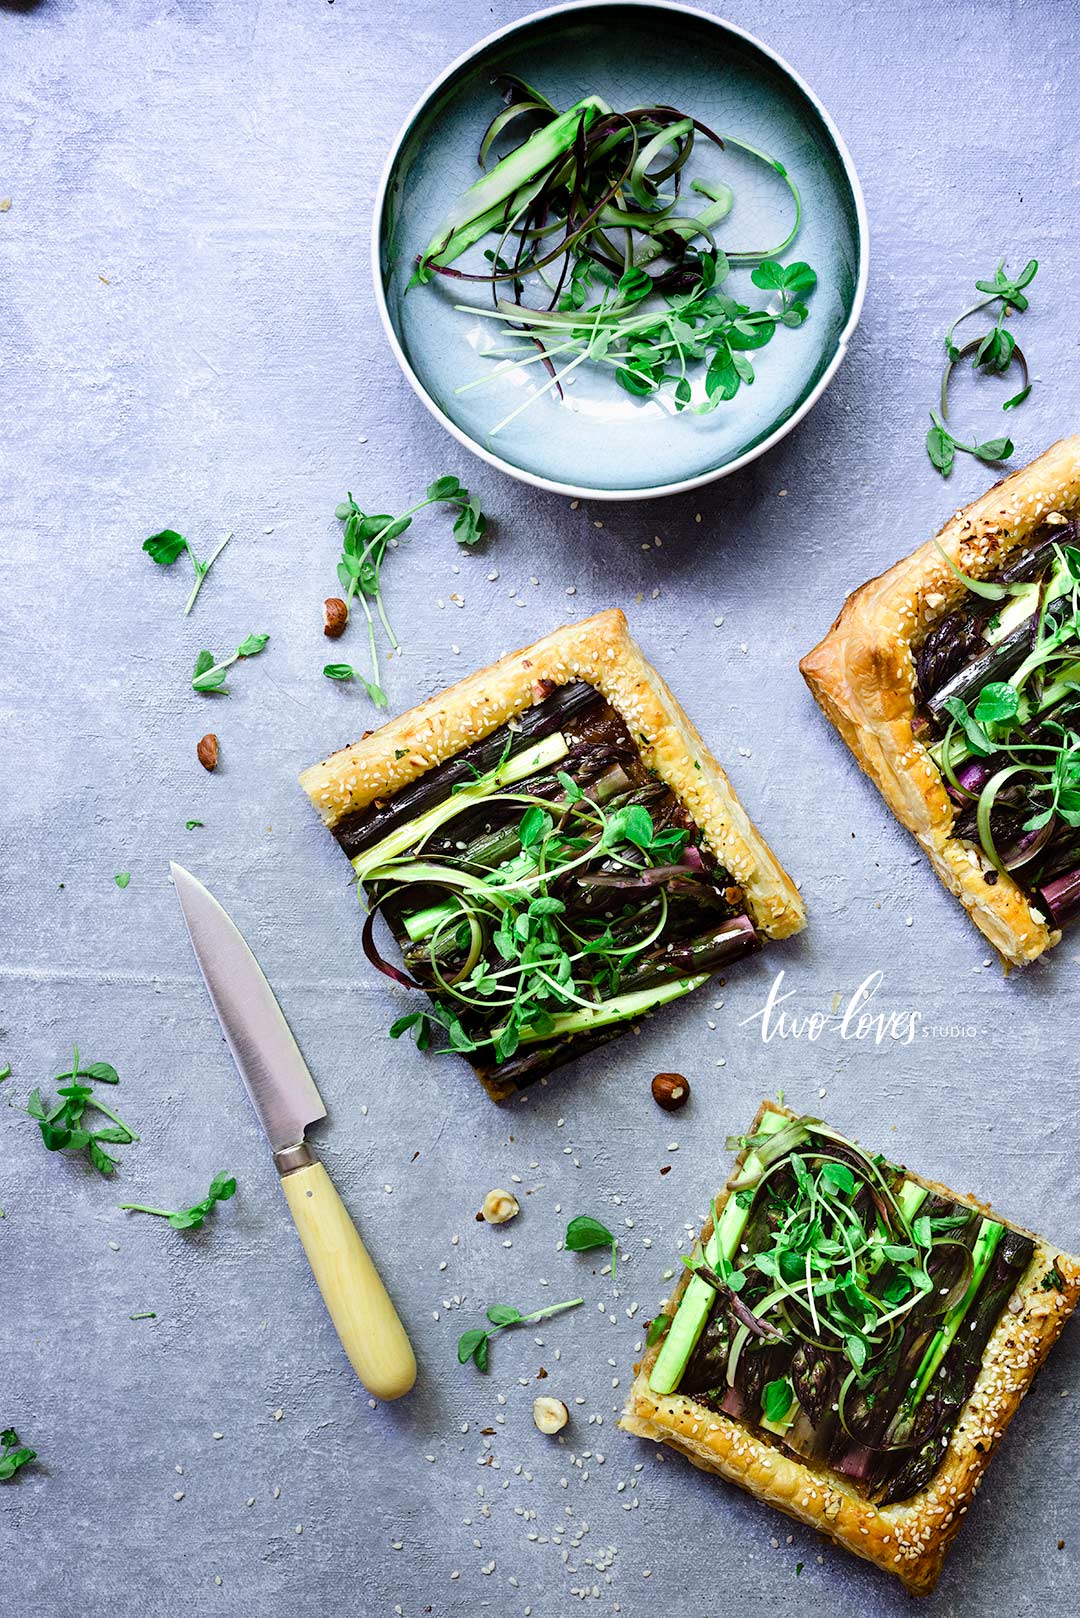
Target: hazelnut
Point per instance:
(207, 751)
(499, 1207)
(670, 1091)
(335, 617)
(549, 1414)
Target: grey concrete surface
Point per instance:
(188, 338)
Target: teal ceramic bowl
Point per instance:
(600, 442)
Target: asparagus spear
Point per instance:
(564, 709)
(697, 1300)
(518, 767)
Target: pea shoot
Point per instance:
(63, 1126)
(473, 1345)
(209, 676)
(365, 541)
(222, 1187)
(992, 354)
(168, 546)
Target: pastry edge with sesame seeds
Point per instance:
(862, 676)
(911, 1537)
(602, 652)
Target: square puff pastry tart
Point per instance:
(909, 1538)
(863, 677)
(601, 653)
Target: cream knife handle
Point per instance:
(360, 1307)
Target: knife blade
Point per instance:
(275, 1074)
(286, 1101)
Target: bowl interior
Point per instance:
(599, 437)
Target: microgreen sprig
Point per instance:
(473, 1345)
(651, 348)
(585, 1233)
(165, 548)
(993, 353)
(13, 1454)
(364, 545)
(996, 348)
(62, 1127)
(222, 1187)
(210, 676)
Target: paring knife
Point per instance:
(284, 1096)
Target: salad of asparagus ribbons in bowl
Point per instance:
(840, 1307)
(602, 253)
(545, 890)
(998, 689)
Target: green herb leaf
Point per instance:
(658, 1327)
(777, 1398)
(122, 878)
(769, 275)
(585, 1233)
(839, 1178)
(978, 740)
(211, 676)
(536, 823)
(13, 1454)
(941, 449)
(104, 1072)
(856, 1349)
(503, 1314)
(165, 548)
(997, 701)
(445, 488)
(190, 825)
(798, 278)
(995, 449)
(468, 1343)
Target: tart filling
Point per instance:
(545, 889)
(850, 1342)
(998, 689)
(840, 1306)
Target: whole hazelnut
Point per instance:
(549, 1414)
(670, 1091)
(335, 617)
(207, 751)
(499, 1207)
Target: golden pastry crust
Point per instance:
(863, 677)
(601, 651)
(911, 1537)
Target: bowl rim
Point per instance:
(591, 491)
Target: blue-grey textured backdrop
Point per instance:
(188, 339)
